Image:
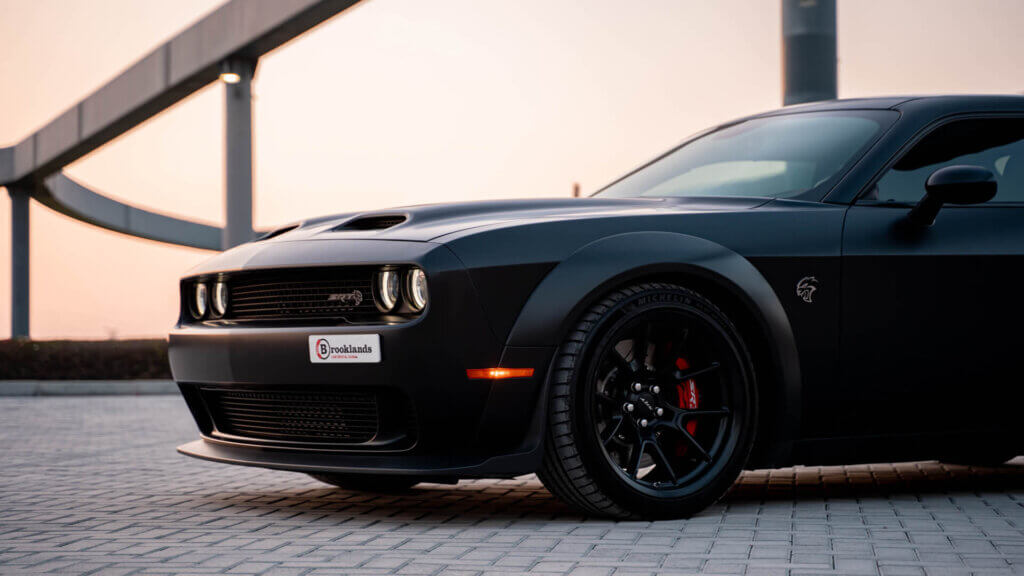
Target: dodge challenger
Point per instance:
(838, 282)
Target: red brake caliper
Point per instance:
(688, 399)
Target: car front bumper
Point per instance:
(442, 422)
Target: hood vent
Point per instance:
(373, 222)
(278, 232)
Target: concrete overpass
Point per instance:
(227, 45)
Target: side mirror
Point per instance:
(953, 185)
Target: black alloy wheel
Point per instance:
(653, 406)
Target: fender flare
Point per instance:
(597, 268)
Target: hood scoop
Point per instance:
(376, 222)
(277, 232)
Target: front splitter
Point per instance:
(508, 465)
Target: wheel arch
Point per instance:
(722, 275)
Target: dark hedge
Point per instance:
(83, 360)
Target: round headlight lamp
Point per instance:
(220, 298)
(416, 289)
(199, 301)
(388, 289)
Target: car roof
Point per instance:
(965, 102)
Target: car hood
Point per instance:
(429, 222)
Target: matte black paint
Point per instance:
(909, 342)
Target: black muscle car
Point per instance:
(831, 283)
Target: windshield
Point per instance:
(777, 156)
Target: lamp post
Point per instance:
(809, 55)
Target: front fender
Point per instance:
(600, 266)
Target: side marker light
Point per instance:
(498, 373)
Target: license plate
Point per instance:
(344, 349)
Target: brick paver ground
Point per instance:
(93, 485)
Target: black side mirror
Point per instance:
(953, 185)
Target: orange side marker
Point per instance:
(498, 373)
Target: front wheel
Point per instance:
(652, 408)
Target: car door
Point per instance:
(932, 316)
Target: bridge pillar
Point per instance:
(19, 261)
(809, 54)
(237, 75)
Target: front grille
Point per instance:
(301, 294)
(317, 417)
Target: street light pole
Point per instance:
(809, 54)
(237, 75)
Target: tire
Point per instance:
(369, 482)
(588, 460)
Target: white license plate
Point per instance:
(344, 349)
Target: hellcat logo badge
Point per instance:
(806, 288)
(354, 298)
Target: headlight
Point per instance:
(388, 288)
(199, 301)
(416, 289)
(220, 298)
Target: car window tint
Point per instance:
(777, 156)
(993, 143)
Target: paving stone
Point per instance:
(92, 485)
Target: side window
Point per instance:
(993, 143)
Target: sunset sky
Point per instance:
(408, 101)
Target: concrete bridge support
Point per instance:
(237, 76)
(19, 261)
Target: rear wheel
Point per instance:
(369, 482)
(653, 406)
